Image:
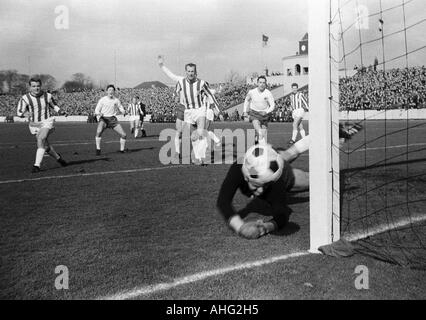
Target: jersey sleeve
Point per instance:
(247, 102)
(22, 107)
(230, 185)
(170, 74)
(271, 102)
(98, 107)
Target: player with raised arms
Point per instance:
(258, 106)
(37, 105)
(107, 109)
(190, 91)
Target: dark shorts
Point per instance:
(263, 119)
(111, 122)
(141, 118)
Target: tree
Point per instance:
(79, 82)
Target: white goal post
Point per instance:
(324, 186)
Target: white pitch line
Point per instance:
(150, 289)
(385, 227)
(91, 174)
(146, 290)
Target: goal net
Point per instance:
(371, 73)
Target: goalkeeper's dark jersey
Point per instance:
(275, 193)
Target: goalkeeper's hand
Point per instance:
(256, 229)
(62, 113)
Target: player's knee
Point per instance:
(123, 136)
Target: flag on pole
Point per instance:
(264, 40)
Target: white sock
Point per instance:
(98, 143)
(177, 143)
(196, 148)
(122, 144)
(294, 136)
(202, 147)
(302, 133)
(39, 156)
(213, 136)
(136, 133)
(302, 145)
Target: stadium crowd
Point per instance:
(395, 88)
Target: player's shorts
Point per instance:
(191, 116)
(210, 115)
(36, 126)
(141, 117)
(180, 112)
(263, 118)
(134, 118)
(111, 122)
(298, 113)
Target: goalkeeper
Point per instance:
(270, 197)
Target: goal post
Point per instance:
(324, 206)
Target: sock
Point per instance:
(177, 143)
(202, 148)
(196, 148)
(98, 143)
(213, 136)
(53, 153)
(122, 144)
(302, 145)
(136, 133)
(39, 156)
(294, 136)
(302, 133)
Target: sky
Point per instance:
(217, 35)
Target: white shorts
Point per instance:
(36, 126)
(134, 118)
(191, 116)
(298, 113)
(210, 115)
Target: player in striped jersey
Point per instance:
(134, 111)
(107, 109)
(37, 105)
(190, 90)
(258, 105)
(298, 106)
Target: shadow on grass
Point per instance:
(289, 229)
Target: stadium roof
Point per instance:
(305, 37)
(150, 84)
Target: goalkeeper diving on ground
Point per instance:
(267, 176)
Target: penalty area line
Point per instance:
(92, 174)
(150, 289)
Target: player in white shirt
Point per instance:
(107, 109)
(37, 105)
(299, 106)
(259, 105)
(134, 111)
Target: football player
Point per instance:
(37, 105)
(269, 187)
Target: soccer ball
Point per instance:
(262, 164)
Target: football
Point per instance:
(262, 164)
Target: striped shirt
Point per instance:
(298, 100)
(39, 107)
(208, 101)
(190, 93)
(259, 101)
(134, 109)
(109, 107)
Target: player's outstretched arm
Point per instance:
(168, 73)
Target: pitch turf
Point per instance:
(127, 223)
